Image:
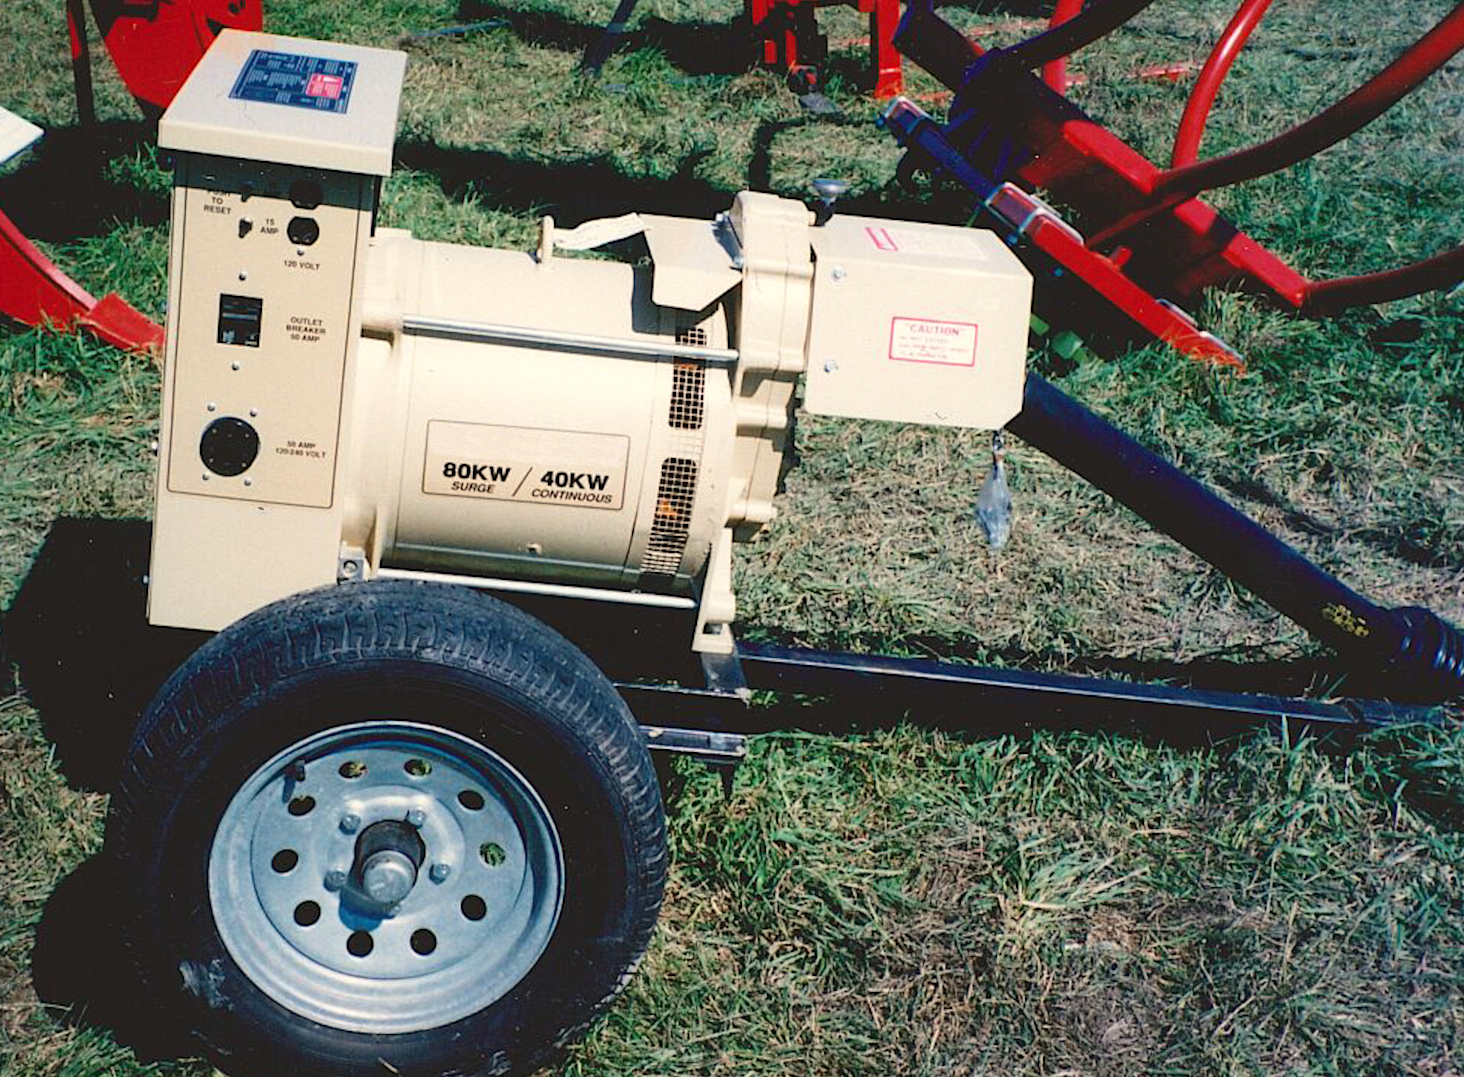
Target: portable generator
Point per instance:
(382, 821)
(345, 402)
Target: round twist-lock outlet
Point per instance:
(229, 446)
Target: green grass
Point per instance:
(908, 902)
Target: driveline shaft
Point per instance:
(1420, 655)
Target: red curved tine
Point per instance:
(1212, 75)
(1330, 126)
(1054, 73)
(1329, 296)
(1168, 189)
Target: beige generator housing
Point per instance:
(343, 402)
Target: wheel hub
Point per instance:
(386, 877)
(388, 857)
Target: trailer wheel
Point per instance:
(387, 828)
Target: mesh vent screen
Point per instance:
(688, 387)
(671, 524)
(692, 335)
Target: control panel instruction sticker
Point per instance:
(515, 463)
(286, 78)
(921, 340)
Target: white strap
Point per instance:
(16, 135)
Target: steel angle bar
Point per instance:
(927, 687)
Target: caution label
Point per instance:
(516, 463)
(920, 340)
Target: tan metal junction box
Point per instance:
(280, 144)
(916, 323)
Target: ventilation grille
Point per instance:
(693, 336)
(688, 388)
(671, 524)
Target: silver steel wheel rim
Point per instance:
(483, 907)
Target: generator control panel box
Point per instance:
(916, 323)
(289, 101)
(280, 146)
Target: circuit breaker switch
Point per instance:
(239, 318)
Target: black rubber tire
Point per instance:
(389, 649)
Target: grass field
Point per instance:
(901, 901)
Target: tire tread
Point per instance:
(361, 625)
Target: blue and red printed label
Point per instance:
(285, 78)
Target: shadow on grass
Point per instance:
(90, 662)
(86, 655)
(696, 47)
(80, 966)
(1393, 542)
(575, 190)
(62, 193)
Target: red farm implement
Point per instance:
(1149, 245)
(155, 45)
(789, 38)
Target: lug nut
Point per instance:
(350, 824)
(334, 880)
(417, 818)
(440, 872)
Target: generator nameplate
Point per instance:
(287, 78)
(516, 463)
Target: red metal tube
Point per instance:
(1328, 127)
(1212, 75)
(1055, 72)
(1329, 296)
(889, 77)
